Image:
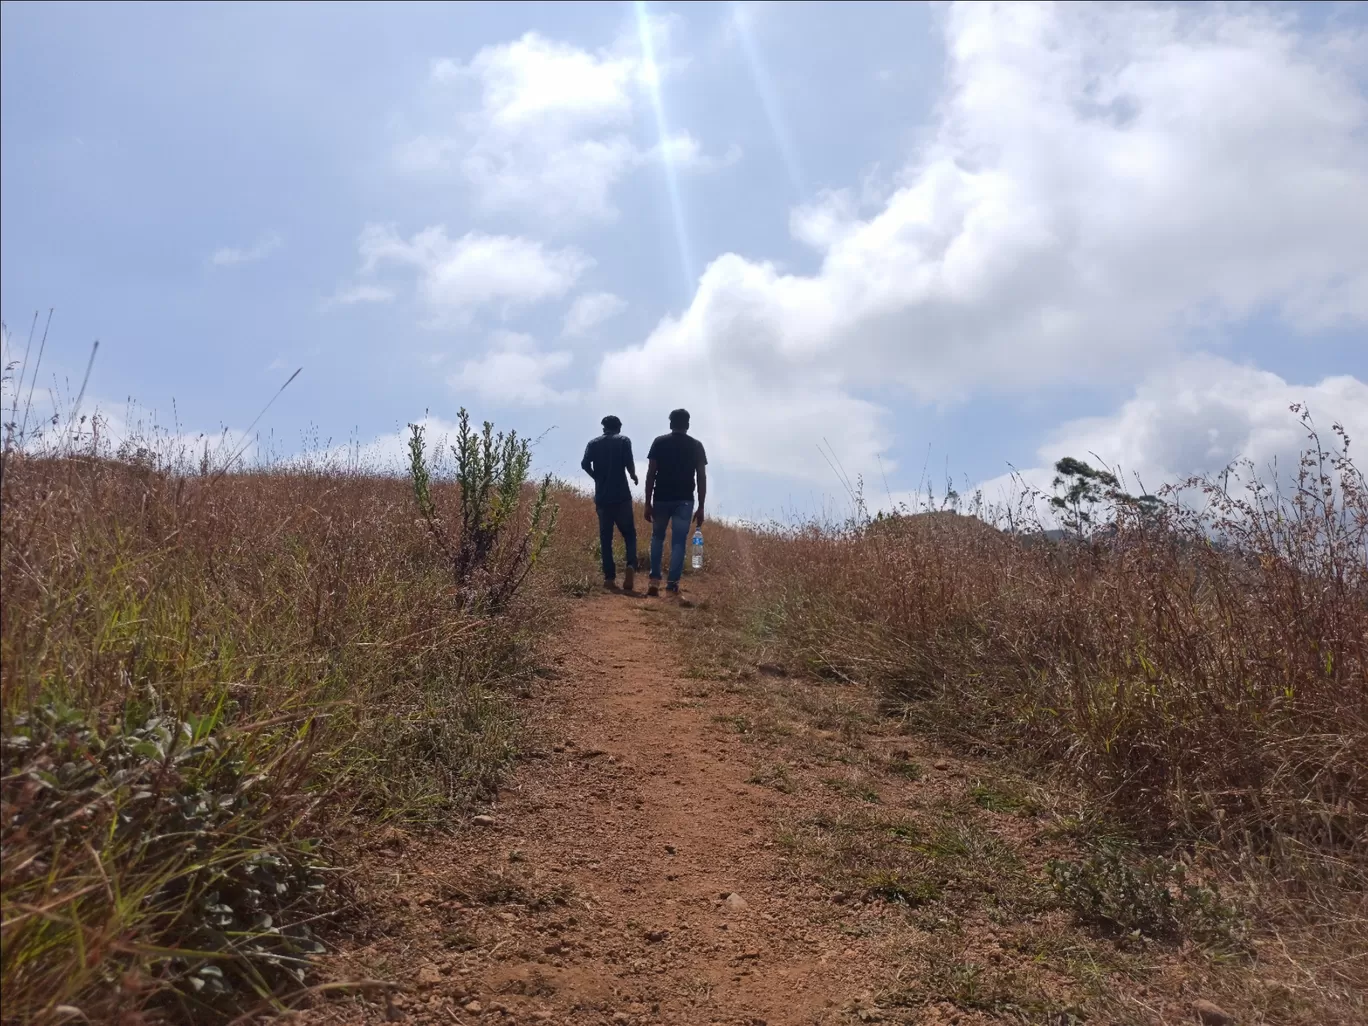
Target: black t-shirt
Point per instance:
(608, 460)
(678, 457)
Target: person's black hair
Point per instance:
(679, 418)
(611, 424)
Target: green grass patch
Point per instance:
(1002, 797)
(908, 769)
(904, 888)
(1146, 899)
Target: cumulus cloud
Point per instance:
(352, 294)
(231, 256)
(686, 153)
(457, 276)
(1196, 418)
(1101, 186)
(822, 222)
(131, 430)
(388, 453)
(513, 372)
(546, 128)
(590, 310)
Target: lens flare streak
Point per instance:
(768, 99)
(651, 77)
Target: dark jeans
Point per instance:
(619, 514)
(675, 516)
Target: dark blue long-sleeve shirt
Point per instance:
(608, 460)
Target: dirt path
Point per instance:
(628, 874)
(757, 849)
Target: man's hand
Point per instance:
(698, 517)
(651, 470)
(634, 479)
(646, 512)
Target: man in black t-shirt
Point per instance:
(675, 460)
(608, 460)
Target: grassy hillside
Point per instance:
(1213, 690)
(214, 684)
(1187, 678)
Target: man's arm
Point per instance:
(587, 464)
(650, 486)
(702, 470)
(631, 462)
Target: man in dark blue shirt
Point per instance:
(673, 463)
(608, 460)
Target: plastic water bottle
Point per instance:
(698, 548)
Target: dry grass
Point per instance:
(1200, 671)
(211, 683)
(1190, 677)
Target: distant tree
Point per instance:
(1148, 506)
(1081, 488)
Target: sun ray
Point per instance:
(650, 75)
(768, 99)
(651, 78)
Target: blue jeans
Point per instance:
(619, 515)
(676, 516)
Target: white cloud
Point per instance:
(824, 221)
(513, 372)
(590, 310)
(455, 277)
(128, 428)
(353, 294)
(389, 453)
(1100, 184)
(229, 256)
(1196, 418)
(550, 130)
(686, 153)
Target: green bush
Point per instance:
(491, 550)
(160, 851)
(1148, 898)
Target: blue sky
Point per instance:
(927, 236)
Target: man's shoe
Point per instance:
(653, 589)
(609, 584)
(629, 579)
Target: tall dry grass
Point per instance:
(1197, 667)
(211, 680)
